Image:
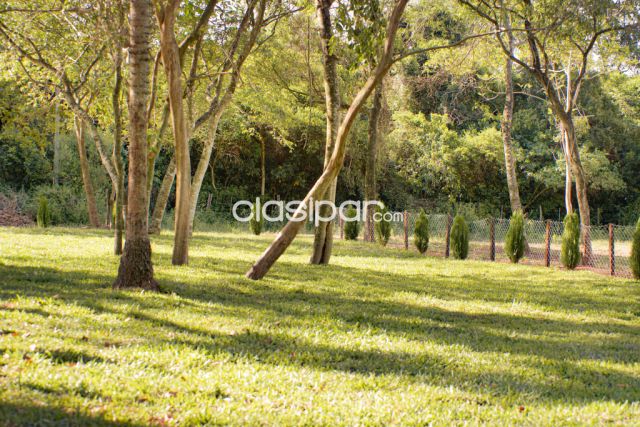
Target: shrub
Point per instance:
(255, 225)
(570, 253)
(382, 226)
(66, 205)
(351, 228)
(459, 238)
(514, 241)
(635, 253)
(43, 216)
(421, 232)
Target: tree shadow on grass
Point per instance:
(560, 345)
(23, 414)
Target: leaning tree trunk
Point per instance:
(291, 229)
(263, 164)
(136, 269)
(162, 198)
(153, 152)
(323, 233)
(92, 206)
(370, 188)
(117, 159)
(203, 166)
(581, 185)
(173, 71)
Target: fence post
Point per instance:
(406, 229)
(341, 228)
(612, 251)
(547, 244)
(447, 237)
(492, 236)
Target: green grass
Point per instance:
(380, 337)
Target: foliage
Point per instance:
(570, 250)
(382, 226)
(421, 232)
(256, 221)
(459, 238)
(635, 252)
(352, 227)
(65, 205)
(514, 244)
(44, 216)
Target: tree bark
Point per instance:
(92, 207)
(323, 233)
(136, 269)
(153, 152)
(507, 119)
(173, 71)
(370, 188)
(56, 147)
(291, 229)
(162, 198)
(568, 177)
(581, 184)
(201, 169)
(117, 158)
(263, 164)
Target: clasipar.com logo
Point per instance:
(315, 211)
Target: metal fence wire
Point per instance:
(608, 253)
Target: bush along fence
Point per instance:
(609, 252)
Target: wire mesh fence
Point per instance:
(607, 249)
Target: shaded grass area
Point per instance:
(380, 337)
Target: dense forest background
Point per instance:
(440, 148)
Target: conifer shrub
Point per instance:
(515, 241)
(635, 253)
(351, 228)
(44, 216)
(570, 252)
(460, 238)
(382, 226)
(421, 232)
(255, 223)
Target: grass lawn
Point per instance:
(380, 337)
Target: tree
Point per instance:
(332, 168)
(136, 268)
(635, 253)
(507, 121)
(92, 207)
(553, 41)
(421, 232)
(370, 188)
(570, 249)
(323, 233)
(515, 240)
(459, 238)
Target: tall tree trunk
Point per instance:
(507, 119)
(173, 71)
(153, 153)
(92, 206)
(56, 147)
(263, 164)
(370, 187)
(136, 269)
(581, 184)
(117, 158)
(323, 233)
(568, 177)
(163, 197)
(331, 171)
